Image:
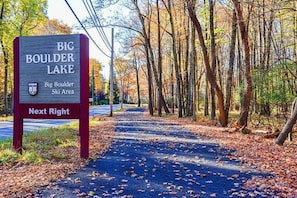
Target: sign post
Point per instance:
(51, 81)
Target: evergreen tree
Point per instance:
(116, 91)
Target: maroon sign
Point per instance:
(51, 81)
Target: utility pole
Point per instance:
(111, 74)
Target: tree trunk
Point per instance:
(156, 76)
(159, 61)
(213, 56)
(137, 81)
(231, 66)
(150, 55)
(246, 99)
(289, 125)
(206, 98)
(190, 81)
(6, 65)
(211, 77)
(191, 88)
(176, 65)
(187, 80)
(5, 55)
(172, 87)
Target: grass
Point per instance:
(41, 145)
(6, 118)
(8, 157)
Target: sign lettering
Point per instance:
(51, 82)
(54, 65)
(65, 46)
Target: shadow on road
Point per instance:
(151, 158)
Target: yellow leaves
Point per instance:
(91, 193)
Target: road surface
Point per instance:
(6, 128)
(152, 158)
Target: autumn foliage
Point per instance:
(256, 151)
(253, 150)
(23, 179)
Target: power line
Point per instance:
(94, 18)
(96, 21)
(85, 29)
(100, 25)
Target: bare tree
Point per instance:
(175, 59)
(149, 52)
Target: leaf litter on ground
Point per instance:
(253, 150)
(23, 179)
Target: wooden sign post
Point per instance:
(51, 81)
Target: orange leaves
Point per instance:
(22, 180)
(256, 152)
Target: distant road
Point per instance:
(36, 124)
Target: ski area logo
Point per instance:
(33, 88)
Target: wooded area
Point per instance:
(214, 55)
(210, 57)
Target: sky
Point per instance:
(58, 9)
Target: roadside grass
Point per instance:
(50, 155)
(6, 118)
(42, 145)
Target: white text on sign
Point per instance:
(49, 111)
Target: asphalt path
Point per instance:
(151, 158)
(6, 128)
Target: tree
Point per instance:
(52, 27)
(230, 72)
(96, 78)
(251, 47)
(146, 43)
(192, 76)
(95, 71)
(247, 95)
(213, 54)
(146, 31)
(159, 60)
(124, 70)
(211, 78)
(136, 68)
(17, 18)
(116, 91)
(175, 60)
(289, 125)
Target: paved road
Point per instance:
(6, 128)
(150, 158)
